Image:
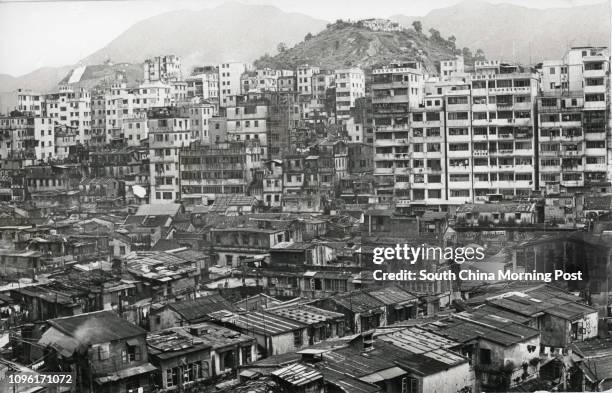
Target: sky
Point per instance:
(49, 33)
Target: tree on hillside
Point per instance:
(479, 55)
(452, 41)
(418, 26)
(308, 37)
(281, 47)
(435, 35)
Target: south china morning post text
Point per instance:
(457, 255)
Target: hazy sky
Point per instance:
(53, 33)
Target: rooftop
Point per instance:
(199, 308)
(306, 314)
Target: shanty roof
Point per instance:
(465, 327)
(358, 302)
(158, 209)
(172, 343)
(597, 353)
(306, 314)
(393, 296)
(200, 308)
(96, 327)
(529, 304)
(347, 383)
(265, 323)
(298, 374)
(217, 336)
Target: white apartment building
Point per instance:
(503, 148)
(395, 90)
(573, 115)
(305, 74)
(27, 138)
(29, 101)
(135, 129)
(249, 121)
(71, 107)
(451, 67)
(229, 80)
(162, 68)
(204, 83)
(169, 130)
(200, 114)
(350, 84)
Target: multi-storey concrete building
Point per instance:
(204, 83)
(395, 90)
(262, 80)
(305, 74)
(169, 131)
(71, 107)
(503, 136)
(27, 138)
(162, 68)
(350, 85)
(29, 101)
(248, 120)
(451, 67)
(229, 81)
(573, 116)
(200, 114)
(219, 169)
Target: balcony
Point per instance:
(595, 105)
(595, 89)
(595, 167)
(571, 153)
(572, 183)
(594, 73)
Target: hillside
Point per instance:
(343, 44)
(94, 74)
(230, 32)
(514, 33)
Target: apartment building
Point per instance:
(503, 134)
(200, 113)
(71, 107)
(451, 67)
(305, 75)
(573, 114)
(219, 169)
(395, 89)
(29, 101)
(229, 81)
(265, 79)
(169, 131)
(162, 68)
(98, 118)
(204, 83)
(350, 85)
(26, 138)
(248, 120)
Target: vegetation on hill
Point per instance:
(347, 44)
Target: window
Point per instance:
(410, 385)
(485, 354)
(297, 339)
(457, 116)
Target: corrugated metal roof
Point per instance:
(298, 374)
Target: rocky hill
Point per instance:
(344, 44)
(515, 33)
